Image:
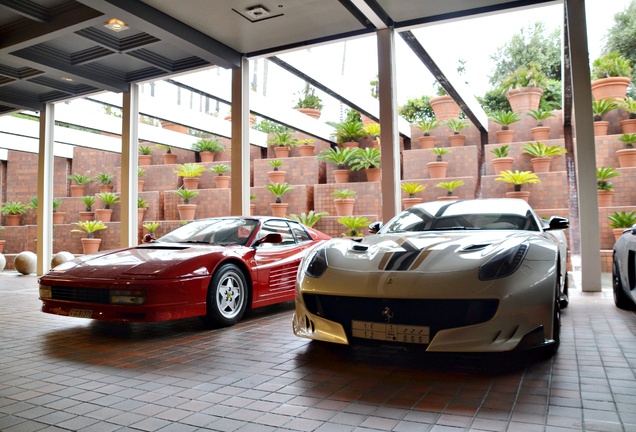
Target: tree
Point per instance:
(621, 36)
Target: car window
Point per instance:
(299, 232)
(277, 227)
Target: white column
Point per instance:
(389, 139)
(240, 174)
(129, 151)
(585, 148)
(45, 189)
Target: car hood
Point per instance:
(148, 260)
(432, 252)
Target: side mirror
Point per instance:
(633, 229)
(558, 223)
(375, 227)
(269, 238)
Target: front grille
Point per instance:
(82, 295)
(436, 314)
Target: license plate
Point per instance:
(391, 332)
(81, 313)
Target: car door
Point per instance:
(277, 263)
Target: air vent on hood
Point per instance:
(475, 247)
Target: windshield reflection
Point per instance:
(224, 231)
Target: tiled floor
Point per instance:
(60, 374)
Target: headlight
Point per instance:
(45, 292)
(124, 297)
(504, 263)
(317, 264)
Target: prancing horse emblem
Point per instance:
(387, 314)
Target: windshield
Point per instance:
(224, 231)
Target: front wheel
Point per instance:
(621, 300)
(227, 296)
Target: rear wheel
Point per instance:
(621, 299)
(227, 296)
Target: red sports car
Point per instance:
(211, 268)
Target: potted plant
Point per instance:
(449, 186)
(279, 208)
(81, 181)
(282, 142)
(367, 159)
(108, 199)
(207, 148)
(308, 103)
(13, 210)
(276, 175)
(372, 130)
(2, 241)
(628, 104)
(190, 172)
(140, 182)
(501, 161)
(306, 147)
(87, 214)
(221, 181)
(456, 125)
(344, 200)
(105, 181)
(142, 206)
(168, 157)
(145, 155)
(186, 210)
(427, 126)
(58, 216)
(542, 155)
(349, 132)
(341, 157)
(525, 87)
(90, 244)
(610, 76)
(443, 105)
(518, 179)
(599, 109)
(540, 132)
(354, 224)
(252, 205)
(438, 168)
(620, 221)
(505, 119)
(411, 188)
(627, 156)
(152, 227)
(605, 187)
(308, 219)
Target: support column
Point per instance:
(129, 162)
(389, 139)
(585, 157)
(240, 174)
(45, 189)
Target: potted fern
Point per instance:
(456, 125)
(542, 155)
(168, 157)
(525, 87)
(620, 221)
(152, 227)
(308, 219)
(190, 172)
(540, 132)
(90, 244)
(629, 125)
(108, 199)
(276, 175)
(411, 188)
(208, 148)
(502, 161)
(306, 147)
(611, 74)
(341, 157)
(348, 133)
(518, 179)
(599, 109)
(221, 181)
(279, 208)
(427, 126)
(186, 210)
(505, 119)
(354, 224)
(140, 181)
(88, 214)
(627, 156)
(282, 142)
(142, 206)
(81, 181)
(605, 188)
(344, 200)
(105, 181)
(367, 159)
(438, 168)
(13, 211)
(308, 103)
(450, 187)
(145, 155)
(372, 130)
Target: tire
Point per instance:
(621, 299)
(227, 296)
(564, 299)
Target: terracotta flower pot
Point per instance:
(222, 182)
(78, 190)
(524, 195)
(106, 188)
(90, 245)
(191, 183)
(186, 211)
(605, 198)
(540, 164)
(524, 99)
(13, 219)
(427, 141)
(140, 185)
(600, 127)
(540, 133)
(86, 216)
(169, 158)
(144, 160)
(311, 112)
(502, 164)
(341, 175)
(410, 202)
(618, 232)
(58, 218)
(505, 136)
(276, 176)
(207, 156)
(279, 209)
(281, 152)
(444, 107)
(252, 209)
(447, 198)
(344, 206)
(628, 126)
(350, 144)
(104, 215)
(610, 88)
(306, 150)
(140, 215)
(2, 243)
(437, 169)
(373, 174)
(626, 157)
(457, 140)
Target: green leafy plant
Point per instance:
(602, 107)
(279, 189)
(141, 172)
(450, 186)
(309, 219)
(282, 139)
(307, 141)
(518, 178)
(56, 204)
(89, 227)
(416, 109)
(344, 194)
(107, 198)
(627, 139)
(186, 194)
(364, 158)
(80, 179)
(142, 204)
(190, 170)
(603, 174)
(505, 118)
(354, 224)
(427, 125)
(411, 188)
(529, 75)
(307, 99)
(33, 203)
(539, 115)
(145, 150)
(220, 169)
(89, 202)
(341, 157)
(13, 208)
(208, 145)
(539, 149)
(457, 125)
(348, 131)
(440, 151)
(622, 219)
(501, 151)
(628, 104)
(104, 179)
(165, 147)
(372, 130)
(611, 64)
(275, 163)
(152, 227)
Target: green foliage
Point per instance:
(142, 204)
(282, 139)
(33, 203)
(141, 172)
(348, 131)
(279, 189)
(539, 149)
(13, 208)
(456, 125)
(372, 130)
(417, 109)
(308, 99)
(145, 150)
(344, 194)
(552, 96)
(622, 219)
(186, 194)
(427, 125)
(354, 224)
(80, 179)
(501, 151)
(353, 116)
(208, 145)
(628, 104)
(89, 202)
(308, 219)
(505, 118)
(411, 188)
(527, 75)
(105, 179)
(190, 170)
(628, 139)
(275, 163)
(167, 148)
(107, 198)
(220, 169)
(450, 186)
(603, 174)
(90, 227)
(152, 227)
(440, 151)
(341, 157)
(57, 203)
(602, 107)
(494, 100)
(364, 158)
(539, 115)
(269, 127)
(518, 178)
(611, 64)
(621, 37)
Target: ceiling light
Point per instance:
(116, 25)
(67, 79)
(257, 12)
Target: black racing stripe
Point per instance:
(401, 261)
